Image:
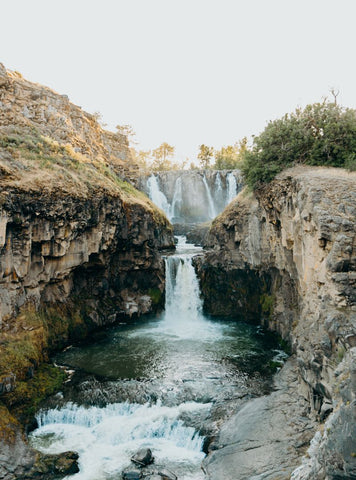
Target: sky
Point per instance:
(186, 72)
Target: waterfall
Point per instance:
(182, 288)
(219, 194)
(177, 199)
(157, 196)
(107, 437)
(218, 186)
(183, 317)
(231, 187)
(212, 212)
(189, 197)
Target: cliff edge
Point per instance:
(287, 254)
(79, 249)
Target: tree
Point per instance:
(321, 134)
(142, 158)
(231, 157)
(162, 157)
(127, 131)
(99, 118)
(334, 92)
(205, 155)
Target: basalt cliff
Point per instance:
(79, 249)
(287, 254)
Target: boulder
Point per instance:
(131, 473)
(56, 464)
(158, 472)
(143, 457)
(167, 474)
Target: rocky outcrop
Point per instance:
(269, 432)
(79, 248)
(25, 105)
(293, 245)
(100, 249)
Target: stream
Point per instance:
(164, 382)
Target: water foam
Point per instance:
(106, 438)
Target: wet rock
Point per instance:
(262, 439)
(61, 464)
(194, 232)
(159, 473)
(143, 457)
(167, 474)
(131, 474)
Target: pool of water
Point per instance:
(163, 382)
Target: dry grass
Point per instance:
(30, 161)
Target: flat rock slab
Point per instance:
(266, 438)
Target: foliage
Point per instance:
(162, 157)
(323, 134)
(267, 304)
(205, 155)
(230, 157)
(127, 131)
(27, 396)
(156, 296)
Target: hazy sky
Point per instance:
(185, 71)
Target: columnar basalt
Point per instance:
(79, 249)
(293, 244)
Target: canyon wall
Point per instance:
(288, 254)
(79, 249)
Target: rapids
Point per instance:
(164, 382)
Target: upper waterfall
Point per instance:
(192, 196)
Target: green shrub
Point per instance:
(323, 134)
(267, 303)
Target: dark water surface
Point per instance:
(162, 382)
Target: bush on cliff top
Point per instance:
(323, 134)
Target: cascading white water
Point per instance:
(106, 438)
(177, 199)
(183, 318)
(192, 196)
(231, 187)
(218, 186)
(182, 288)
(157, 196)
(180, 362)
(212, 212)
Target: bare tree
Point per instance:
(334, 92)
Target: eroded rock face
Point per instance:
(25, 104)
(294, 244)
(79, 247)
(52, 248)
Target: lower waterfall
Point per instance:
(162, 382)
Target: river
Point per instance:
(165, 382)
